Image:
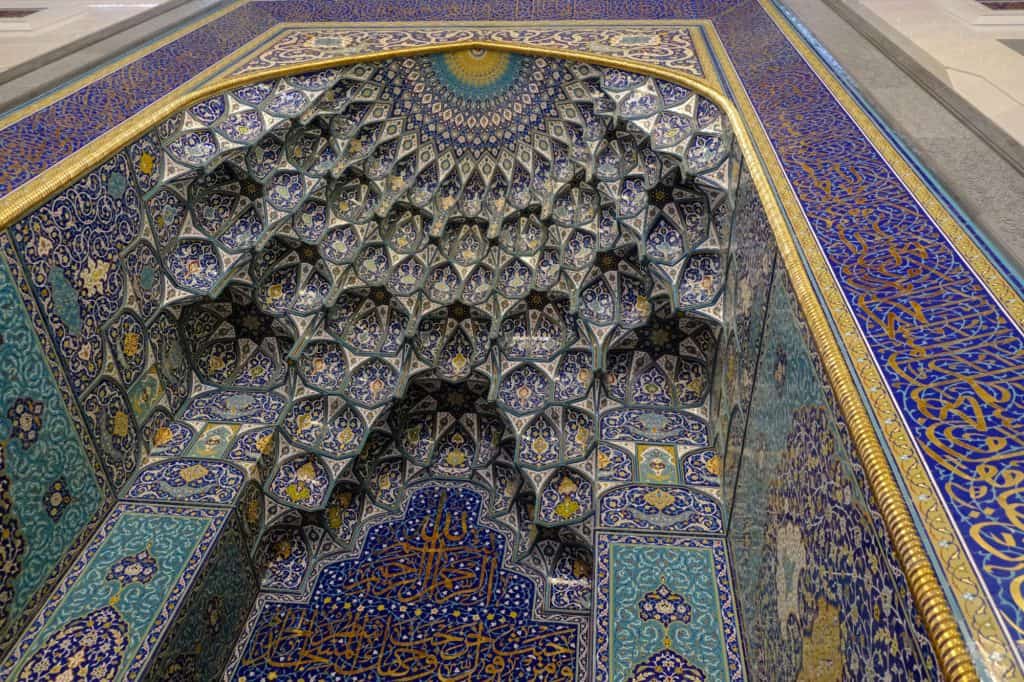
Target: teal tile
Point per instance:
(664, 606)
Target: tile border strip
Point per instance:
(857, 381)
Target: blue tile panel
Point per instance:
(949, 353)
(427, 596)
(819, 591)
(951, 356)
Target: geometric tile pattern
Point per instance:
(343, 283)
(336, 249)
(748, 33)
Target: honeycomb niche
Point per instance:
(427, 269)
(424, 330)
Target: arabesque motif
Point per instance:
(411, 269)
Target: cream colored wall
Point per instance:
(61, 23)
(958, 41)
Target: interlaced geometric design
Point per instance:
(443, 267)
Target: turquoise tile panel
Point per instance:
(664, 609)
(52, 495)
(210, 619)
(110, 611)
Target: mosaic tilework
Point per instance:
(229, 253)
(118, 597)
(51, 494)
(427, 595)
(769, 78)
(198, 644)
(327, 217)
(818, 589)
(84, 113)
(671, 48)
(192, 481)
(736, 26)
(919, 306)
(664, 610)
(67, 251)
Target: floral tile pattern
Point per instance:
(50, 494)
(665, 609)
(797, 497)
(671, 48)
(110, 609)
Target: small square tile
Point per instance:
(214, 440)
(656, 463)
(145, 394)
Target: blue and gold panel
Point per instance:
(428, 595)
(614, 463)
(820, 593)
(664, 610)
(236, 407)
(930, 320)
(107, 616)
(283, 557)
(666, 426)
(51, 488)
(660, 508)
(187, 481)
(170, 438)
(702, 468)
(69, 248)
